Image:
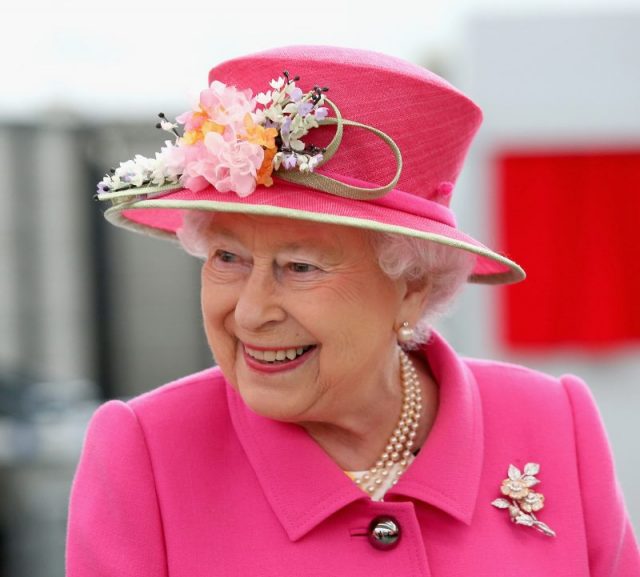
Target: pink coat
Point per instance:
(185, 481)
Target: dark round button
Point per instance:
(384, 533)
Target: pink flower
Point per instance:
(221, 105)
(173, 159)
(195, 162)
(238, 164)
(194, 183)
(192, 119)
(226, 105)
(227, 165)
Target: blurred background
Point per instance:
(89, 313)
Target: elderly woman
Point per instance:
(338, 434)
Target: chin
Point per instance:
(276, 395)
(270, 404)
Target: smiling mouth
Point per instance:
(278, 356)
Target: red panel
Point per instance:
(573, 222)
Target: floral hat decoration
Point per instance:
(323, 134)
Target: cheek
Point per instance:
(217, 308)
(363, 306)
(356, 320)
(364, 326)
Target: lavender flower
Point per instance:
(103, 187)
(321, 112)
(304, 108)
(296, 94)
(284, 131)
(289, 161)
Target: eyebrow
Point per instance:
(222, 232)
(330, 251)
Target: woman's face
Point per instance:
(300, 317)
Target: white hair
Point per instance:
(445, 269)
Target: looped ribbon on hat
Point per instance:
(309, 179)
(333, 186)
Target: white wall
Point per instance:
(552, 80)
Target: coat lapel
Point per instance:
(304, 486)
(446, 472)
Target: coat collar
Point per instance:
(304, 486)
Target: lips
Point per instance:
(276, 356)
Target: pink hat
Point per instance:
(342, 136)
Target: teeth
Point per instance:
(276, 355)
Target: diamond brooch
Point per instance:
(523, 502)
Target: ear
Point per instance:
(414, 302)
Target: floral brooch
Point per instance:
(524, 502)
(234, 141)
(231, 140)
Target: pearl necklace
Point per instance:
(398, 449)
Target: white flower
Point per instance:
(314, 161)
(310, 121)
(168, 126)
(277, 160)
(274, 113)
(263, 98)
(291, 108)
(278, 97)
(115, 183)
(259, 116)
(296, 145)
(277, 84)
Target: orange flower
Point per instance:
(266, 168)
(210, 126)
(191, 137)
(256, 134)
(202, 125)
(198, 119)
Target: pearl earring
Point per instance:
(405, 333)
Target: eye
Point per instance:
(301, 267)
(224, 258)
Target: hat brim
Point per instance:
(397, 212)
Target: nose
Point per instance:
(259, 301)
